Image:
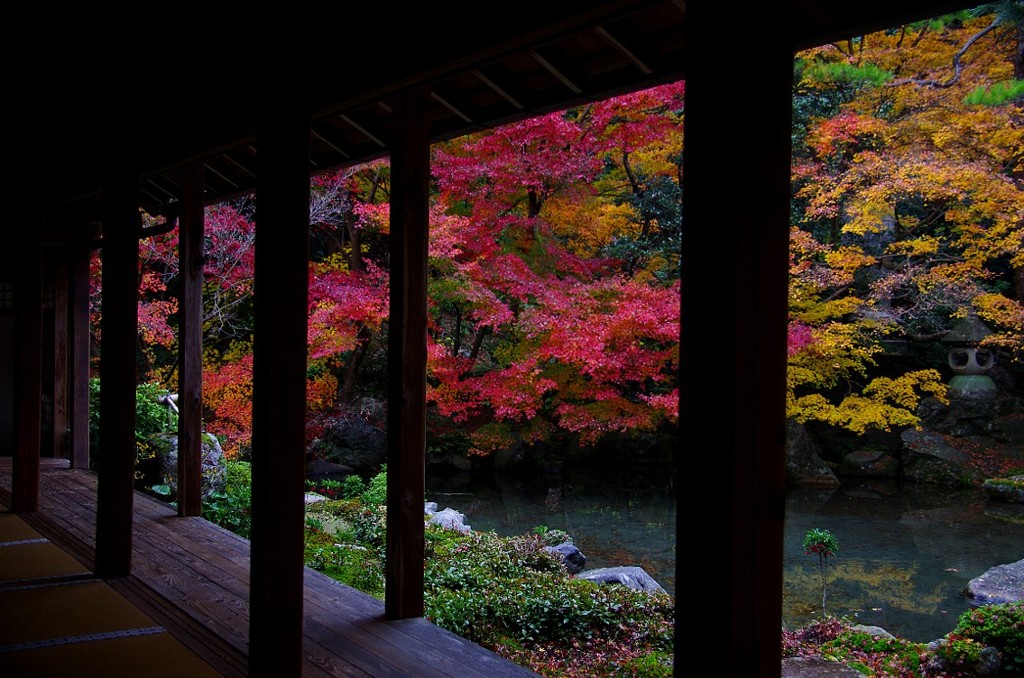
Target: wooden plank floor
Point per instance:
(193, 578)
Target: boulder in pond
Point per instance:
(870, 464)
(932, 458)
(630, 576)
(1000, 584)
(804, 466)
(570, 555)
(450, 519)
(1005, 489)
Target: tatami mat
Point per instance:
(13, 528)
(66, 610)
(57, 620)
(25, 555)
(146, 653)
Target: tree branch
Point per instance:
(958, 66)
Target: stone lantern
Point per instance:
(970, 363)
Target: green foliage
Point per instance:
(232, 508)
(650, 665)
(151, 418)
(238, 474)
(507, 593)
(532, 606)
(821, 542)
(369, 526)
(349, 488)
(162, 490)
(984, 634)
(846, 73)
(472, 560)
(510, 594)
(882, 654)
(376, 492)
(352, 487)
(999, 626)
(959, 656)
(996, 95)
(552, 537)
(351, 564)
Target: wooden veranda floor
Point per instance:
(192, 578)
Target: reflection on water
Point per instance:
(906, 553)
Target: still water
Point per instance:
(630, 522)
(905, 553)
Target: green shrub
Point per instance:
(530, 607)
(350, 564)
(232, 508)
(376, 492)
(651, 665)
(351, 487)
(495, 589)
(370, 527)
(151, 418)
(999, 626)
(506, 593)
(959, 656)
(552, 537)
(879, 654)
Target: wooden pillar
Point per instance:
(61, 355)
(279, 394)
(407, 358)
(736, 193)
(190, 343)
(78, 357)
(28, 321)
(119, 333)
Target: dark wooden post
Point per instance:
(61, 354)
(736, 192)
(190, 343)
(28, 321)
(119, 332)
(79, 351)
(279, 394)
(407, 358)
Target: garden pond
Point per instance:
(905, 552)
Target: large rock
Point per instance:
(870, 464)
(448, 518)
(321, 469)
(630, 576)
(804, 466)
(930, 458)
(816, 667)
(1001, 584)
(354, 441)
(214, 471)
(570, 555)
(1005, 489)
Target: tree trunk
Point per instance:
(363, 340)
